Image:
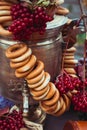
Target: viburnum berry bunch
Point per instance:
(79, 101)
(27, 21)
(12, 121)
(65, 83)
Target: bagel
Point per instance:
(68, 54)
(4, 32)
(4, 13)
(53, 99)
(61, 10)
(5, 18)
(52, 109)
(5, 3)
(69, 94)
(38, 83)
(37, 70)
(28, 65)
(67, 101)
(70, 50)
(6, 24)
(51, 91)
(22, 75)
(71, 62)
(58, 2)
(38, 93)
(48, 109)
(74, 91)
(23, 56)
(16, 50)
(45, 82)
(59, 105)
(73, 75)
(5, 7)
(42, 96)
(61, 111)
(12, 1)
(69, 65)
(69, 57)
(18, 64)
(36, 79)
(70, 70)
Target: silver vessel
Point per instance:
(47, 48)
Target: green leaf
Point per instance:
(81, 38)
(40, 1)
(46, 3)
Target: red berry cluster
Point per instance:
(65, 83)
(79, 101)
(26, 21)
(13, 121)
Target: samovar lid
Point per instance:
(57, 22)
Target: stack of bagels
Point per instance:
(70, 61)
(27, 66)
(5, 17)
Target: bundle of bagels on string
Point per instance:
(18, 20)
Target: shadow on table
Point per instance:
(57, 123)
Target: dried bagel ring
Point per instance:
(5, 18)
(52, 110)
(5, 3)
(46, 108)
(12, 1)
(59, 105)
(51, 91)
(53, 99)
(45, 82)
(70, 70)
(38, 83)
(23, 56)
(39, 98)
(4, 13)
(18, 64)
(36, 79)
(70, 50)
(22, 75)
(4, 32)
(29, 64)
(37, 70)
(67, 101)
(38, 93)
(69, 94)
(6, 24)
(16, 50)
(5, 7)
(61, 111)
(62, 10)
(74, 91)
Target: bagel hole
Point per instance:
(15, 49)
